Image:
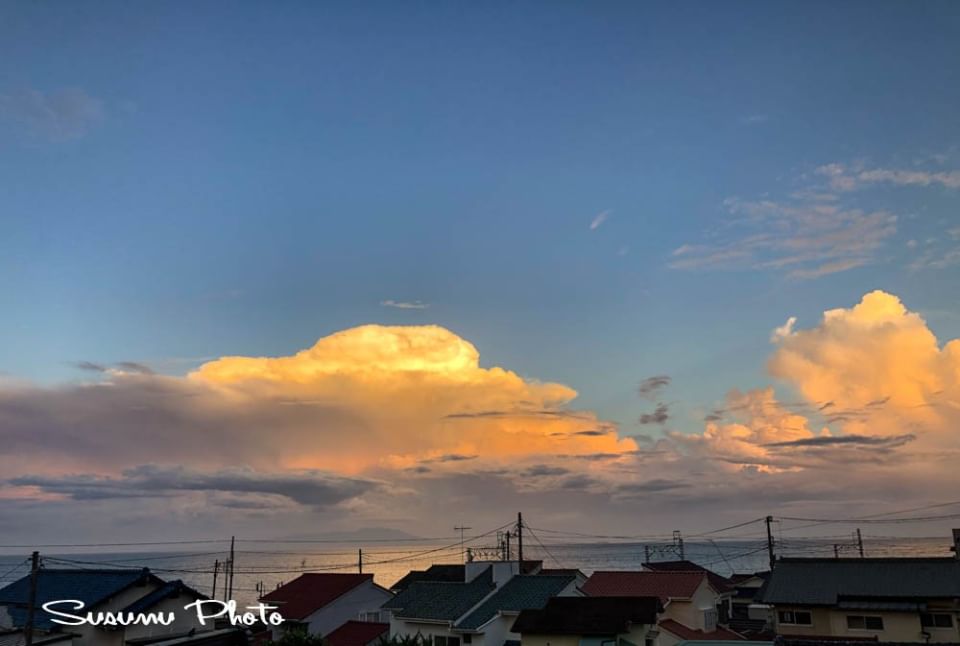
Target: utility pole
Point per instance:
(520, 541)
(646, 553)
(773, 558)
(836, 551)
(360, 560)
(462, 529)
(860, 542)
(32, 603)
(678, 543)
(216, 569)
(232, 553)
(507, 537)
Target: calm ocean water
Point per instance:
(265, 565)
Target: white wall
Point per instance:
(366, 597)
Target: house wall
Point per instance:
(897, 626)
(185, 621)
(87, 635)
(498, 630)
(366, 597)
(691, 613)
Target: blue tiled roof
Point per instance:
(89, 586)
(166, 591)
(439, 600)
(525, 592)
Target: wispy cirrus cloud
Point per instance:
(60, 115)
(803, 238)
(405, 305)
(844, 177)
(599, 219)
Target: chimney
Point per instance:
(956, 544)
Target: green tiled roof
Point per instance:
(440, 600)
(527, 592)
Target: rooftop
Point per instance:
(309, 592)
(692, 634)
(719, 583)
(441, 600)
(663, 585)
(440, 572)
(356, 633)
(519, 593)
(588, 616)
(829, 582)
(92, 587)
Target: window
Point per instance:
(795, 617)
(936, 620)
(468, 639)
(864, 622)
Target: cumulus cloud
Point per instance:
(783, 331)
(58, 116)
(364, 405)
(403, 426)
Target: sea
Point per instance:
(260, 567)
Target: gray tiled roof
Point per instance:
(440, 600)
(826, 582)
(89, 586)
(519, 593)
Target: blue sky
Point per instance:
(186, 181)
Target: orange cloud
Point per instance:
(419, 392)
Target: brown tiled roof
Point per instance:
(356, 633)
(310, 592)
(693, 634)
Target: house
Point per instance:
(490, 623)
(439, 572)
(884, 599)
(673, 632)
(431, 608)
(579, 577)
(719, 583)
(103, 590)
(748, 616)
(687, 597)
(321, 602)
(590, 621)
(456, 573)
(358, 633)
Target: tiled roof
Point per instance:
(719, 583)
(356, 633)
(664, 585)
(89, 586)
(519, 593)
(827, 582)
(439, 572)
(309, 592)
(588, 616)
(692, 634)
(169, 590)
(441, 600)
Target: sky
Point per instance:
(270, 268)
